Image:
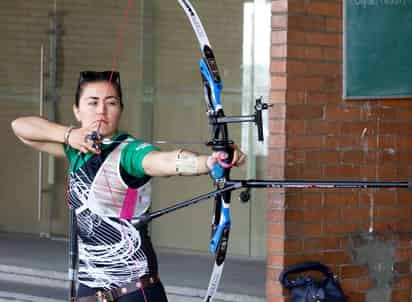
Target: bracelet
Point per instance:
(67, 135)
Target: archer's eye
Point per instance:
(92, 103)
(113, 102)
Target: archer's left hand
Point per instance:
(238, 160)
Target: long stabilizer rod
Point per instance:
(232, 185)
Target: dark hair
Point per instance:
(86, 77)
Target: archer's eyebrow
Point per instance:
(107, 97)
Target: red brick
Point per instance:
(343, 143)
(321, 244)
(332, 54)
(296, 37)
(342, 171)
(277, 111)
(279, 21)
(277, 141)
(388, 170)
(296, 67)
(294, 216)
(276, 215)
(345, 113)
(308, 83)
(274, 260)
(381, 198)
(352, 157)
(333, 25)
(390, 213)
(323, 127)
(342, 228)
(303, 200)
(321, 215)
(279, 37)
(323, 98)
(401, 295)
(293, 246)
(323, 39)
(277, 126)
(295, 127)
(404, 113)
(296, 97)
(303, 172)
(314, 52)
(405, 171)
(355, 214)
(297, 52)
(403, 282)
(334, 258)
(341, 198)
(324, 8)
(306, 23)
(277, 157)
(352, 271)
(278, 66)
(359, 128)
(276, 229)
(277, 171)
(279, 6)
(275, 245)
(277, 97)
(304, 142)
(278, 51)
(296, 6)
(404, 197)
(303, 229)
(365, 284)
(367, 172)
(278, 82)
(316, 157)
(295, 157)
(304, 112)
(325, 69)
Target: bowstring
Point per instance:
(113, 68)
(115, 62)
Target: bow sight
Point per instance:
(256, 118)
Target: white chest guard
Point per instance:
(111, 197)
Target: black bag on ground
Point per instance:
(304, 288)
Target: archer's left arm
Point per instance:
(185, 162)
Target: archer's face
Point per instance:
(99, 108)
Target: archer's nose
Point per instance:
(101, 108)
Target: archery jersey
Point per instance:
(106, 190)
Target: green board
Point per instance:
(377, 49)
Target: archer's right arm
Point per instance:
(49, 137)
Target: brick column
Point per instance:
(365, 236)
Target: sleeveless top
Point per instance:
(112, 252)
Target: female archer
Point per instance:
(108, 186)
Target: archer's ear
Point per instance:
(76, 113)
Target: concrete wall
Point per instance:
(364, 235)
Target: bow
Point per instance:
(220, 141)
